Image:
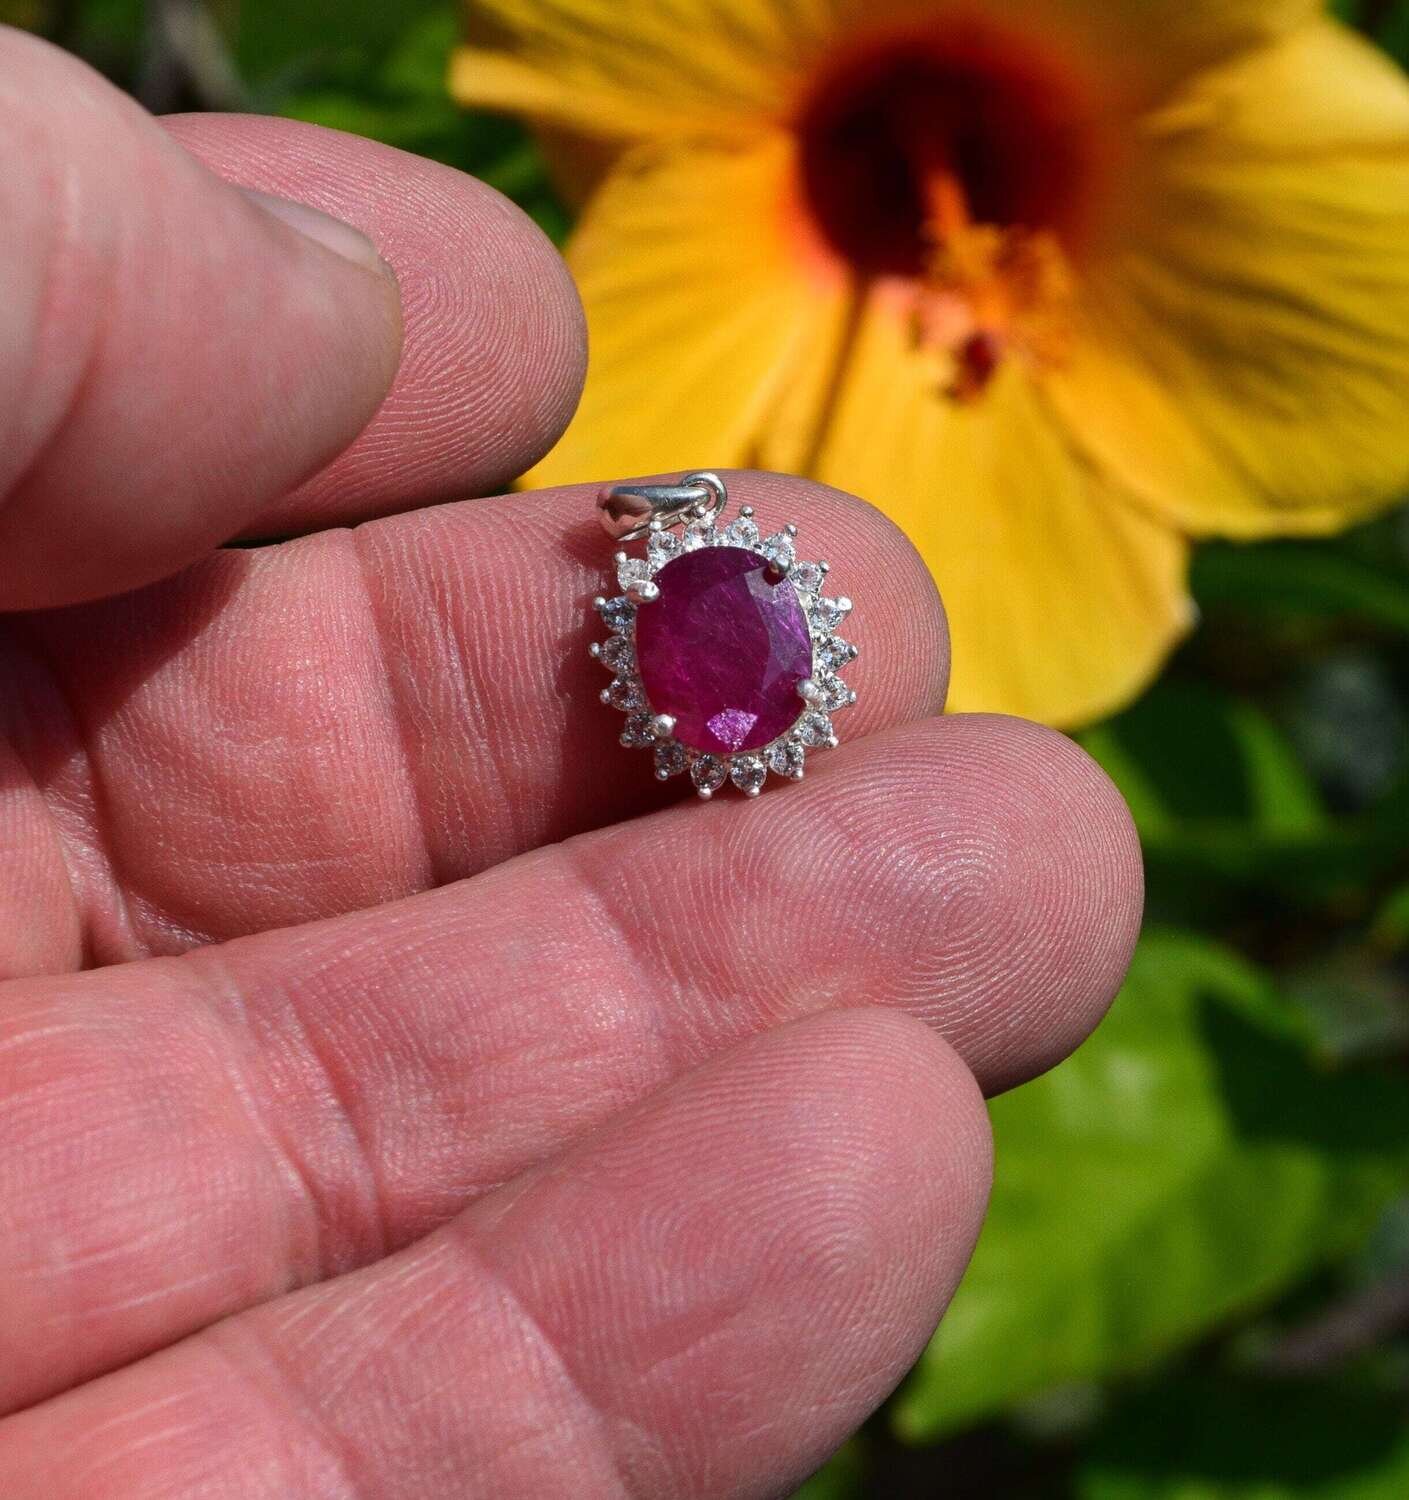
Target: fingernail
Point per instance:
(333, 234)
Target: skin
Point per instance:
(400, 1093)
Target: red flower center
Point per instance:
(907, 141)
(966, 161)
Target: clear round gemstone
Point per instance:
(670, 761)
(617, 614)
(625, 693)
(617, 653)
(827, 614)
(741, 533)
(633, 570)
(815, 729)
(708, 773)
(834, 654)
(779, 549)
(662, 546)
(806, 577)
(786, 759)
(638, 732)
(748, 772)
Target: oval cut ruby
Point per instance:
(723, 649)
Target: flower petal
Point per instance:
(1063, 598)
(716, 67)
(1171, 38)
(668, 67)
(1245, 369)
(702, 309)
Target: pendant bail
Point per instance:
(629, 511)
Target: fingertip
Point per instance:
(863, 1184)
(781, 1228)
(175, 356)
(1057, 880)
(979, 872)
(496, 343)
(916, 1136)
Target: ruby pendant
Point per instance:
(723, 648)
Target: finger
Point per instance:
(495, 339)
(185, 1137)
(700, 1301)
(173, 353)
(289, 733)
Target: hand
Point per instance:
(398, 1096)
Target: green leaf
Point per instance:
(1392, 31)
(275, 39)
(1186, 750)
(841, 1478)
(1226, 1439)
(1224, 805)
(403, 101)
(1354, 1003)
(1391, 927)
(1299, 578)
(1188, 1163)
(106, 33)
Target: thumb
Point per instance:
(174, 353)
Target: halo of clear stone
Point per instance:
(812, 730)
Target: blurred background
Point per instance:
(1194, 1284)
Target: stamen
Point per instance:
(989, 293)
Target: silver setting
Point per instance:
(695, 505)
(630, 511)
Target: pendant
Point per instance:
(722, 647)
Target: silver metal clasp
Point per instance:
(630, 511)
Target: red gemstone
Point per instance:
(723, 649)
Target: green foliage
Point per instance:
(840, 1479)
(1188, 1162)
(1228, 810)
(316, 38)
(1220, 1438)
(395, 91)
(1290, 579)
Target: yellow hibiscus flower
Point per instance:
(1057, 284)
